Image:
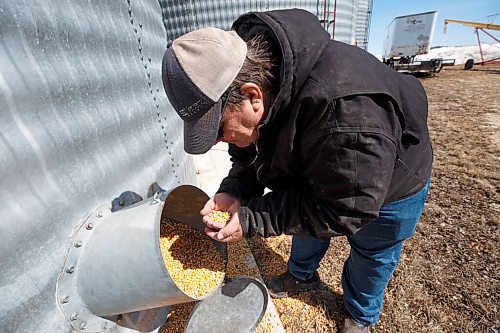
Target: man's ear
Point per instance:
(253, 92)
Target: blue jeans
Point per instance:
(375, 253)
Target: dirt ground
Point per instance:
(448, 277)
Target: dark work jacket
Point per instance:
(345, 134)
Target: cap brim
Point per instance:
(200, 135)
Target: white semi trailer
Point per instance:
(408, 36)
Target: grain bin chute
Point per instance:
(115, 265)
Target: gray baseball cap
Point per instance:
(197, 70)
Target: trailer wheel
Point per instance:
(469, 64)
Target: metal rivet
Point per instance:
(78, 244)
(98, 214)
(65, 299)
(70, 269)
(131, 21)
(157, 89)
(83, 325)
(104, 325)
(140, 25)
(121, 203)
(149, 59)
(73, 316)
(135, 30)
(157, 106)
(90, 226)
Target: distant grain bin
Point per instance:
(347, 21)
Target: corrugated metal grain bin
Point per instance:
(339, 17)
(363, 23)
(84, 118)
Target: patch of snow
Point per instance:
(462, 53)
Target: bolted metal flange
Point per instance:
(70, 302)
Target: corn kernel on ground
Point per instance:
(177, 318)
(192, 260)
(266, 324)
(238, 257)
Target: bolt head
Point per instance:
(90, 226)
(65, 299)
(70, 269)
(83, 325)
(78, 244)
(74, 316)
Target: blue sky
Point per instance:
(384, 11)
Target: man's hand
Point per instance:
(223, 232)
(232, 232)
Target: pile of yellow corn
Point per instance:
(237, 264)
(219, 216)
(192, 260)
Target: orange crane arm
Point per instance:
(476, 25)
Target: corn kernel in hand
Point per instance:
(220, 216)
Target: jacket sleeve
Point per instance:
(347, 173)
(242, 180)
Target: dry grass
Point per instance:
(448, 277)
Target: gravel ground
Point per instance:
(448, 277)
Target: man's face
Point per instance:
(239, 124)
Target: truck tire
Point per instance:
(469, 64)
